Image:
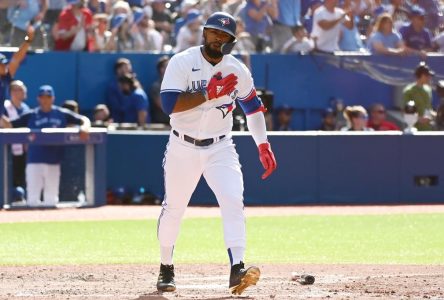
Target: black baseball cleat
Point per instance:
(165, 281)
(241, 278)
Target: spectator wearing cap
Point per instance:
(14, 108)
(145, 36)
(191, 33)
(284, 115)
(327, 26)
(74, 28)
(156, 112)
(433, 12)
(328, 120)
(121, 38)
(23, 14)
(43, 161)
(300, 42)
(102, 36)
(8, 69)
(134, 108)
(378, 119)
(385, 39)
(416, 37)
(420, 92)
(356, 117)
(184, 7)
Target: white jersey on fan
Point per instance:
(189, 71)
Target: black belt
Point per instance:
(200, 143)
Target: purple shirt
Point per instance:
(417, 40)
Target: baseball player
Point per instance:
(43, 161)
(198, 91)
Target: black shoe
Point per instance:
(241, 278)
(165, 281)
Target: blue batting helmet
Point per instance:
(226, 23)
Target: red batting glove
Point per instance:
(267, 159)
(218, 86)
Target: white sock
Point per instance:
(236, 255)
(166, 255)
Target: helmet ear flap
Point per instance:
(228, 47)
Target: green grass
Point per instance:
(380, 239)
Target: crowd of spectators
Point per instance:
(393, 27)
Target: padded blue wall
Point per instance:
(313, 168)
(304, 82)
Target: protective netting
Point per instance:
(386, 73)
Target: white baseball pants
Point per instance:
(44, 177)
(184, 164)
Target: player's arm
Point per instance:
(254, 110)
(177, 101)
(73, 118)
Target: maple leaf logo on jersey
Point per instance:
(224, 21)
(225, 109)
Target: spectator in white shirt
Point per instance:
(327, 26)
(299, 41)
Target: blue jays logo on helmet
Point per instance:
(222, 21)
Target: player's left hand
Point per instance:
(267, 159)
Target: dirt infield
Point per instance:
(211, 281)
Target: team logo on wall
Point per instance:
(224, 21)
(225, 109)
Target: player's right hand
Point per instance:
(266, 156)
(218, 86)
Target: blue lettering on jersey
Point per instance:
(197, 85)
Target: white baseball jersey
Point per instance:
(189, 71)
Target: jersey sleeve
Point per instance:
(246, 96)
(72, 118)
(175, 78)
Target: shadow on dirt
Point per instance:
(159, 296)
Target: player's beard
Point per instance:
(214, 54)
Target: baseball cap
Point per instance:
(284, 107)
(3, 59)
(423, 68)
(118, 20)
(46, 90)
(417, 11)
(72, 2)
(138, 15)
(192, 15)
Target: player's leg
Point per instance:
(34, 184)
(51, 184)
(182, 171)
(224, 176)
